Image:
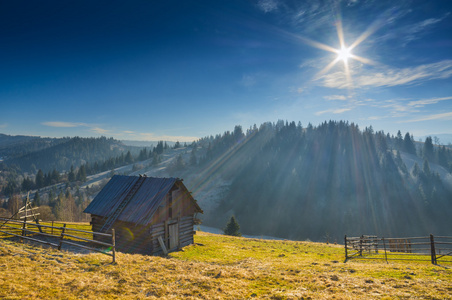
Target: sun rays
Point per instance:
(344, 52)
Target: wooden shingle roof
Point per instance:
(144, 203)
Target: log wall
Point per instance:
(144, 239)
(130, 238)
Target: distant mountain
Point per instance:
(18, 145)
(47, 154)
(148, 144)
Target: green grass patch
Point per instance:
(217, 267)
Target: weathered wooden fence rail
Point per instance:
(428, 248)
(66, 235)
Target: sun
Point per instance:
(344, 54)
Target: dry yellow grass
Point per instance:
(217, 267)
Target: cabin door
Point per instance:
(173, 236)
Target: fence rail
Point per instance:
(29, 231)
(427, 248)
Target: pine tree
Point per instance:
(193, 159)
(71, 175)
(409, 144)
(428, 148)
(81, 175)
(55, 176)
(27, 184)
(129, 158)
(416, 170)
(37, 199)
(399, 140)
(426, 168)
(51, 201)
(232, 228)
(40, 179)
(159, 148)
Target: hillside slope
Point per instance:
(288, 181)
(217, 267)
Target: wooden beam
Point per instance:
(162, 245)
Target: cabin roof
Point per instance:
(143, 204)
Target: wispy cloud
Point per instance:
(407, 105)
(424, 102)
(410, 32)
(267, 5)
(414, 31)
(92, 127)
(335, 97)
(3, 125)
(64, 124)
(389, 77)
(100, 130)
(443, 116)
(333, 111)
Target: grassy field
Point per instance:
(217, 267)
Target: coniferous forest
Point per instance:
(334, 179)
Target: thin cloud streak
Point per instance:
(390, 77)
(64, 124)
(335, 97)
(333, 111)
(443, 116)
(100, 130)
(92, 127)
(424, 102)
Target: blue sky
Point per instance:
(181, 70)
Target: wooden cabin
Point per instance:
(150, 215)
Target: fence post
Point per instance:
(24, 226)
(361, 246)
(346, 254)
(113, 242)
(384, 246)
(39, 227)
(62, 236)
(432, 249)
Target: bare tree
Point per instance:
(436, 140)
(14, 204)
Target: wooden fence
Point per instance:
(430, 248)
(64, 235)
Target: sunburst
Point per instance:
(344, 53)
